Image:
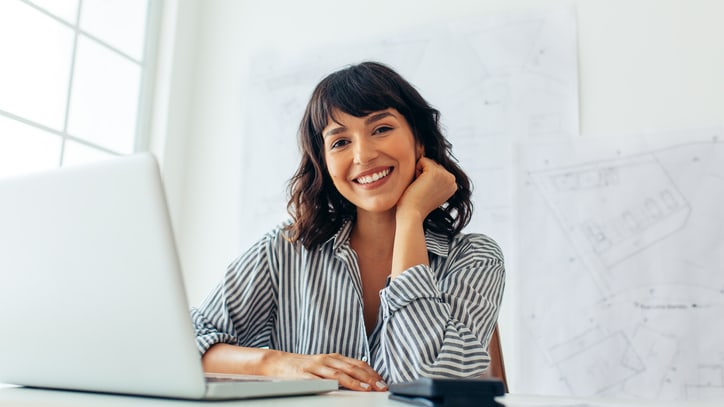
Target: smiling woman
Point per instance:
(372, 280)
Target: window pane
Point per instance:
(76, 153)
(65, 9)
(35, 51)
(120, 23)
(25, 148)
(104, 99)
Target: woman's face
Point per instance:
(371, 159)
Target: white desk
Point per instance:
(18, 397)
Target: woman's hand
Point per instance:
(351, 373)
(432, 187)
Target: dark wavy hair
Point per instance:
(318, 210)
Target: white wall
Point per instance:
(643, 65)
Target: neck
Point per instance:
(374, 233)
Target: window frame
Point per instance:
(146, 83)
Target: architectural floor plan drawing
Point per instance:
(621, 266)
(649, 209)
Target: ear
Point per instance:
(419, 151)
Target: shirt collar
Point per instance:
(342, 235)
(436, 243)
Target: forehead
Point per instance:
(339, 118)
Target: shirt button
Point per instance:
(364, 358)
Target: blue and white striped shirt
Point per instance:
(432, 321)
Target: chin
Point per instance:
(376, 204)
(377, 208)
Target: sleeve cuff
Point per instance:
(203, 343)
(206, 333)
(413, 284)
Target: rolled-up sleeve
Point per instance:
(438, 319)
(239, 310)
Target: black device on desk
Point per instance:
(430, 392)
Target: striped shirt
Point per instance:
(433, 320)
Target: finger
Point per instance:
(353, 373)
(423, 164)
(352, 367)
(342, 378)
(364, 373)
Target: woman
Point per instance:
(372, 281)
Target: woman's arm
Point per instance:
(437, 323)
(432, 187)
(350, 373)
(231, 329)
(227, 358)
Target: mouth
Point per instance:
(374, 177)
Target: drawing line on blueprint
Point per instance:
(635, 357)
(649, 231)
(615, 233)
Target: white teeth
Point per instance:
(374, 177)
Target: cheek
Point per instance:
(409, 167)
(334, 169)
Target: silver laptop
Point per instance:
(91, 293)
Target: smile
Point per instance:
(368, 179)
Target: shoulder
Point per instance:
(265, 256)
(269, 244)
(277, 239)
(475, 246)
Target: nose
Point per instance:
(364, 151)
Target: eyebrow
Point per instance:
(370, 119)
(377, 116)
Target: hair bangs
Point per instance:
(355, 93)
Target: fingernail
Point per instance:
(364, 386)
(381, 385)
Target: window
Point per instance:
(74, 80)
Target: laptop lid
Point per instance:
(91, 293)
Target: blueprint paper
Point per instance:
(621, 266)
(496, 79)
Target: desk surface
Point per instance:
(16, 396)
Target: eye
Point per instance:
(382, 129)
(338, 143)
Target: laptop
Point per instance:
(91, 292)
